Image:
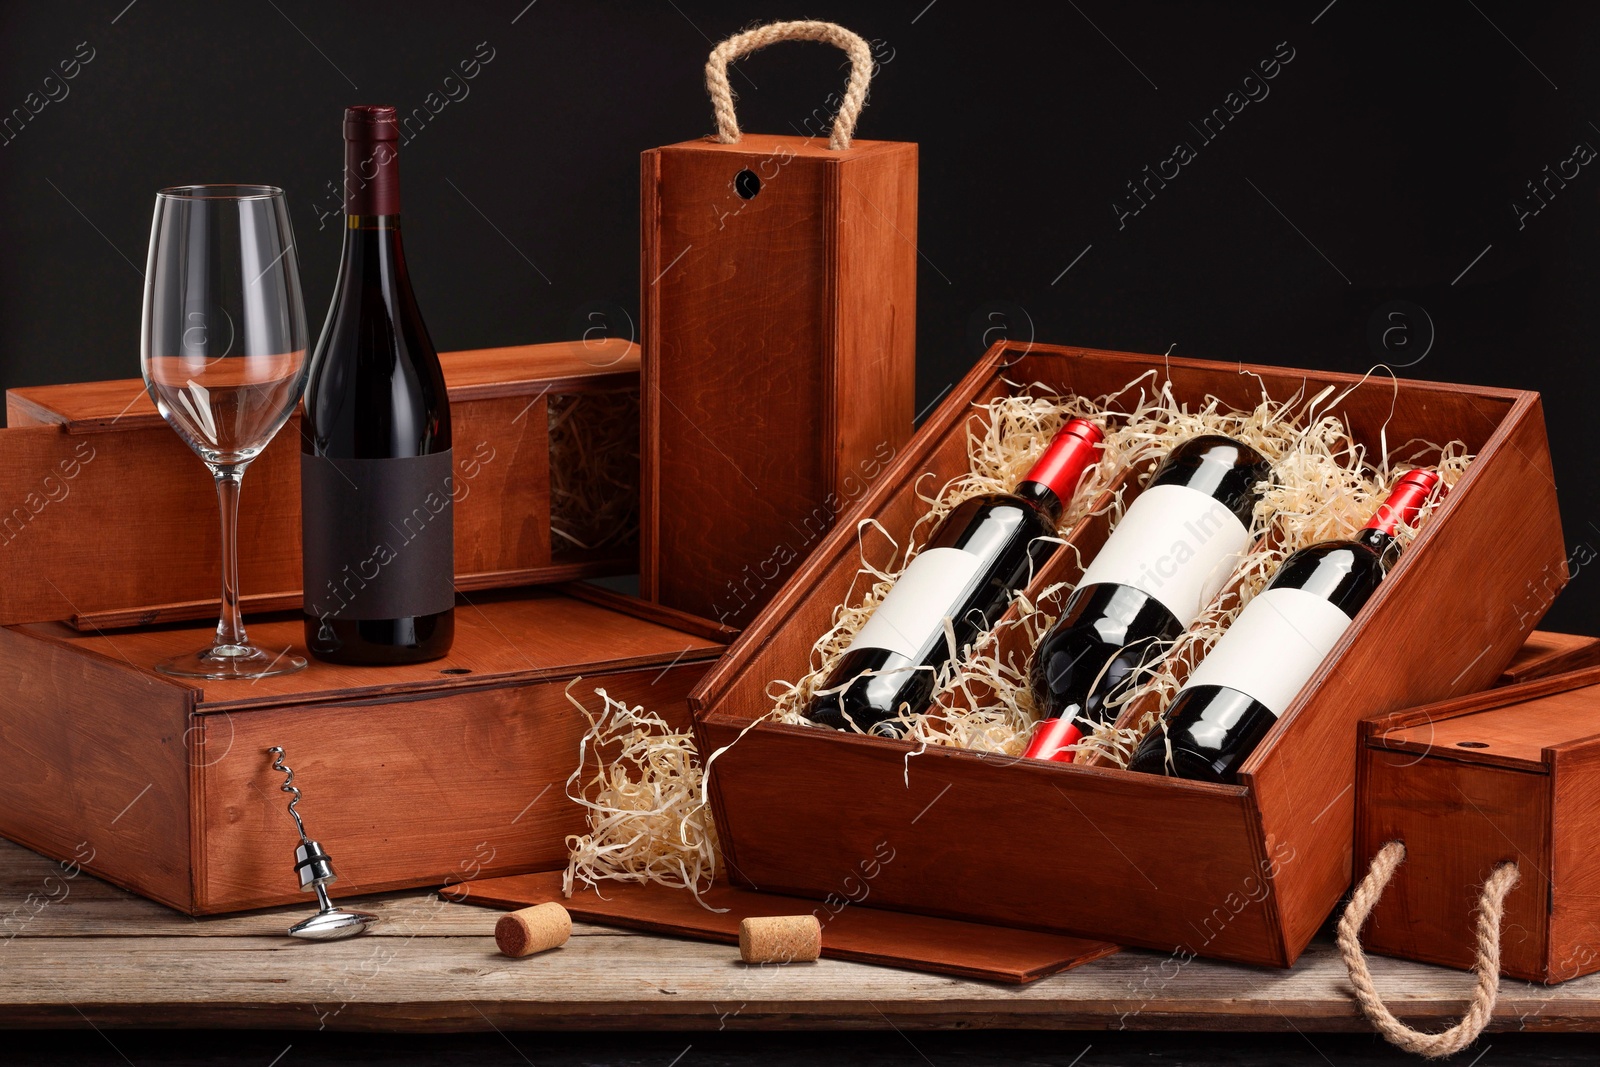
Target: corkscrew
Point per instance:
(315, 869)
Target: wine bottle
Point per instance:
(376, 475)
(1172, 552)
(1275, 645)
(977, 559)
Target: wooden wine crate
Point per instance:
(432, 773)
(1242, 872)
(779, 354)
(108, 519)
(1511, 775)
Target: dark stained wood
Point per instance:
(1246, 873)
(650, 611)
(778, 371)
(413, 775)
(106, 517)
(1508, 775)
(849, 931)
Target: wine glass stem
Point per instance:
(230, 627)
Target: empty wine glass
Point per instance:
(223, 349)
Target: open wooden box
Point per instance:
(1511, 775)
(1243, 872)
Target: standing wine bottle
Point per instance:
(1275, 645)
(1171, 553)
(376, 475)
(983, 552)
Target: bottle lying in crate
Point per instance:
(1276, 644)
(1169, 556)
(983, 552)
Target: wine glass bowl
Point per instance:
(223, 350)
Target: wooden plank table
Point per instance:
(78, 952)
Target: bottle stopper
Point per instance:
(315, 869)
(780, 939)
(536, 929)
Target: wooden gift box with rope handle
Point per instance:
(1243, 872)
(1449, 793)
(778, 291)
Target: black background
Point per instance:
(1382, 166)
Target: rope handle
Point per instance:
(1491, 909)
(855, 92)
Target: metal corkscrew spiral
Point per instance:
(315, 868)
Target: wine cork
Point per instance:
(780, 939)
(535, 929)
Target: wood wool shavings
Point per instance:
(639, 781)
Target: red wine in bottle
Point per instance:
(1273, 648)
(1172, 552)
(983, 552)
(376, 475)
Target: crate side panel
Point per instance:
(95, 757)
(995, 841)
(1458, 822)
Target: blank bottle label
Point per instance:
(934, 584)
(1273, 647)
(1175, 543)
(378, 536)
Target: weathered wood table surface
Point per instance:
(80, 953)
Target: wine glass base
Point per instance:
(232, 662)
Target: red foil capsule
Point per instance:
(1075, 448)
(1406, 500)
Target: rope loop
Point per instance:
(1491, 909)
(740, 44)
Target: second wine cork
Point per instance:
(780, 939)
(543, 926)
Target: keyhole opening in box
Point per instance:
(747, 183)
(1471, 744)
(456, 670)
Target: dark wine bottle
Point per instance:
(1172, 552)
(983, 552)
(376, 475)
(1273, 648)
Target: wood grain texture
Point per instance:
(98, 956)
(1545, 653)
(1512, 774)
(413, 775)
(95, 757)
(779, 355)
(108, 518)
(1290, 821)
(402, 793)
(849, 931)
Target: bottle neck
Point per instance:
(371, 177)
(1043, 498)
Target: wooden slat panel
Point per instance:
(849, 932)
